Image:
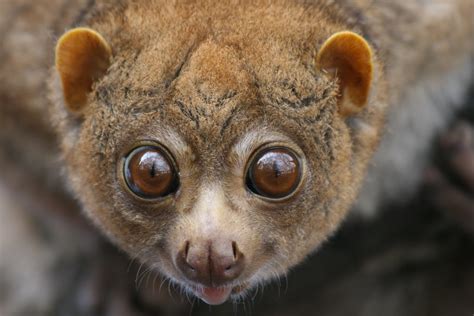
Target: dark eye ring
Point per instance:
(274, 173)
(150, 172)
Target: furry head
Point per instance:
(179, 122)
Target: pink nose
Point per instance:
(211, 264)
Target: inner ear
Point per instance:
(82, 57)
(348, 56)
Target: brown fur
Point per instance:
(219, 77)
(212, 81)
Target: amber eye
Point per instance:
(274, 173)
(149, 172)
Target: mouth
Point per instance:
(216, 295)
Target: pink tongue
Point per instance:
(214, 296)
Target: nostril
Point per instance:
(183, 261)
(228, 267)
(185, 256)
(186, 249)
(234, 249)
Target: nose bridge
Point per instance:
(209, 215)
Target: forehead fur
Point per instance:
(204, 63)
(153, 40)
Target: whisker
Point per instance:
(256, 291)
(192, 306)
(148, 274)
(141, 277)
(134, 258)
(163, 280)
(154, 281)
(137, 274)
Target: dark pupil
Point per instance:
(152, 171)
(275, 173)
(149, 173)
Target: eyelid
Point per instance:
(255, 139)
(246, 146)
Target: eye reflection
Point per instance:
(274, 173)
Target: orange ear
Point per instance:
(349, 57)
(82, 57)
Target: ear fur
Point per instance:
(348, 56)
(82, 57)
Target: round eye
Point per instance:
(149, 172)
(274, 173)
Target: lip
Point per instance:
(213, 295)
(216, 295)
